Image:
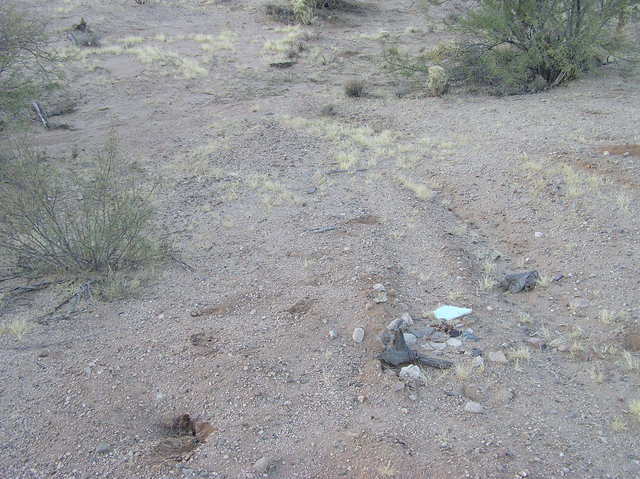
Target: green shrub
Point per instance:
(520, 46)
(56, 222)
(26, 63)
(517, 46)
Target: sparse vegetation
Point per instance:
(618, 424)
(634, 409)
(354, 88)
(17, 328)
(463, 371)
(27, 65)
(510, 46)
(519, 47)
(96, 223)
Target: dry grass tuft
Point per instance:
(634, 409)
(463, 371)
(618, 424)
(354, 88)
(17, 328)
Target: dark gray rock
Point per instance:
(517, 282)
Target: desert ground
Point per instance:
(290, 204)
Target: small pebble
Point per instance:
(410, 339)
(358, 335)
(497, 357)
(103, 448)
(473, 407)
(262, 465)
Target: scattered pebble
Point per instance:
(413, 373)
(410, 339)
(439, 337)
(262, 465)
(103, 448)
(333, 334)
(476, 352)
(538, 234)
(497, 357)
(358, 335)
(473, 407)
(407, 319)
(423, 332)
(400, 323)
(379, 294)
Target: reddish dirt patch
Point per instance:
(626, 150)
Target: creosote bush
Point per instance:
(60, 222)
(27, 65)
(522, 46)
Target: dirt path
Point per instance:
(290, 213)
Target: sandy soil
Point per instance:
(440, 197)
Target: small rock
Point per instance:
(538, 234)
(410, 339)
(262, 465)
(517, 282)
(333, 334)
(361, 399)
(438, 346)
(413, 373)
(454, 342)
(379, 293)
(564, 347)
(380, 297)
(477, 362)
(408, 320)
(473, 407)
(423, 332)
(401, 323)
(103, 448)
(439, 337)
(358, 335)
(476, 352)
(497, 357)
(469, 334)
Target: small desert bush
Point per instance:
(520, 46)
(354, 88)
(54, 221)
(301, 11)
(27, 65)
(523, 46)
